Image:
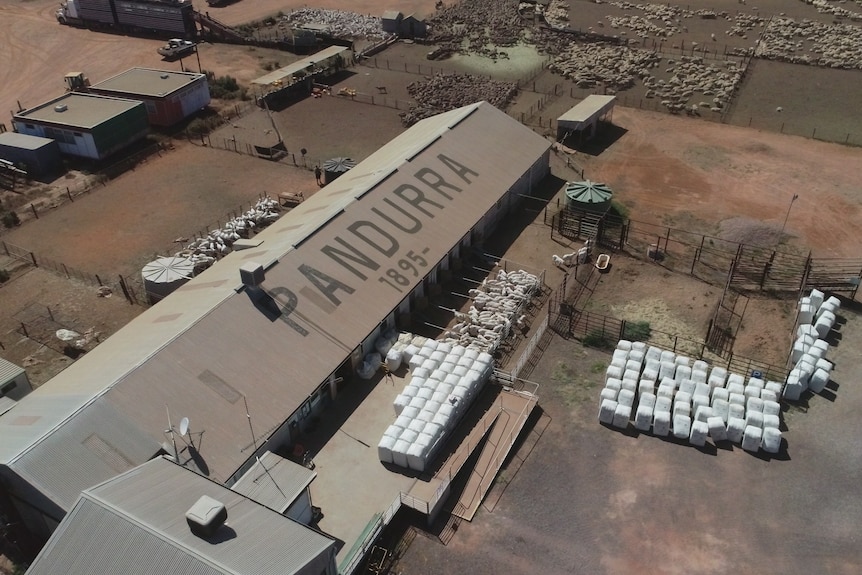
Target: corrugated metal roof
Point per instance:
(6, 403)
(285, 72)
(591, 106)
(9, 371)
(148, 82)
(84, 111)
(23, 141)
(135, 524)
(209, 343)
(274, 481)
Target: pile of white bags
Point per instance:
(814, 321)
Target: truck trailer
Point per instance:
(158, 17)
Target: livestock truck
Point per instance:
(157, 17)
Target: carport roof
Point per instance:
(589, 108)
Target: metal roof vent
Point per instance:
(164, 76)
(206, 516)
(252, 274)
(61, 108)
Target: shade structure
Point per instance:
(335, 167)
(588, 195)
(164, 275)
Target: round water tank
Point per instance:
(588, 196)
(335, 167)
(164, 275)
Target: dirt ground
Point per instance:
(244, 11)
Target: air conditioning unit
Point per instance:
(206, 516)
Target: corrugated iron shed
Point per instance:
(274, 481)
(9, 371)
(135, 524)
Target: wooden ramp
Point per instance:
(515, 409)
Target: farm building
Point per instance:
(86, 125)
(394, 22)
(580, 123)
(170, 97)
(391, 21)
(14, 382)
(39, 156)
(304, 72)
(157, 518)
(273, 334)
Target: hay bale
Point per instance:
(751, 438)
(681, 426)
(735, 429)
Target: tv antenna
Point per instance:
(170, 430)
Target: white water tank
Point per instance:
(164, 275)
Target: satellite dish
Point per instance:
(184, 426)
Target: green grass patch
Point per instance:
(637, 331)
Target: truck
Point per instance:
(152, 17)
(177, 48)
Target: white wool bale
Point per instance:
(703, 412)
(681, 426)
(806, 313)
(663, 404)
(683, 397)
(624, 345)
(447, 367)
(432, 405)
(653, 364)
(382, 345)
(396, 428)
(643, 417)
(771, 421)
(393, 360)
(775, 386)
(720, 393)
(816, 297)
(606, 411)
(823, 364)
(444, 388)
(429, 365)
(700, 365)
(701, 388)
(818, 381)
(609, 393)
(614, 383)
(613, 372)
(632, 374)
(426, 415)
(444, 347)
(715, 382)
(754, 419)
(771, 408)
(646, 386)
(751, 438)
(437, 357)
(453, 380)
(736, 388)
(416, 425)
(653, 353)
(458, 350)
(409, 435)
(408, 352)
(465, 362)
(632, 365)
(735, 410)
(771, 440)
(399, 453)
(821, 346)
(799, 349)
(665, 390)
(698, 401)
(416, 457)
(670, 382)
(756, 382)
(447, 410)
(459, 392)
(687, 386)
(735, 378)
(384, 448)
(471, 353)
(637, 355)
(824, 324)
(620, 355)
(768, 395)
(459, 371)
(424, 393)
(661, 423)
(647, 399)
(629, 384)
(668, 356)
(666, 370)
(698, 376)
(735, 429)
(439, 397)
(410, 412)
(793, 390)
(825, 308)
(721, 408)
(834, 301)
(754, 404)
(682, 361)
(418, 341)
(682, 373)
(626, 397)
(420, 373)
(736, 398)
(485, 358)
(400, 403)
(698, 433)
(417, 402)
(416, 361)
(618, 363)
(719, 372)
(717, 429)
(650, 373)
(806, 329)
(622, 415)
(441, 419)
(681, 409)
(411, 390)
(751, 391)
(433, 430)
(639, 346)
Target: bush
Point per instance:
(597, 339)
(11, 219)
(204, 125)
(619, 210)
(4, 275)
(637, 331)
(225, 88)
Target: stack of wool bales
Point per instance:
(672, 393)
(444, 381)
(811, 370)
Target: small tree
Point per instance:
(11, 219)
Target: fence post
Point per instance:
(33, 257)
(6, 249)
(35, 213)
(66, 271)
